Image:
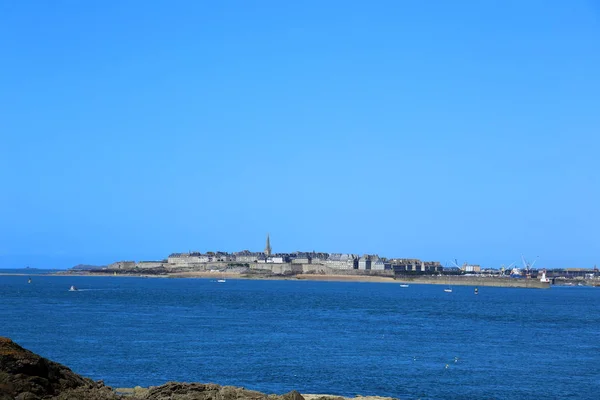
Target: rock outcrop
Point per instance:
(199, 391)
(27, 376)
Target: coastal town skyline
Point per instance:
(339, 260)
(518, 261)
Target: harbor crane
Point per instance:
(503, 268)
(526, 265)
(455, 263)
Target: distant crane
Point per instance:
(526, 265)
(455, 263)
(502, 268)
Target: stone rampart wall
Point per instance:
(149, 264)
(275, 268)
(122, 265)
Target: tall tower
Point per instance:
(268, 247)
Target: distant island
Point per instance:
(335, 266)
(86, 267)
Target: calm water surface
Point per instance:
(315, 337)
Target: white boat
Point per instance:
(72, 289)
(403, 285)
(221, 280)
(448, 288)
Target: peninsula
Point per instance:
(329, 266)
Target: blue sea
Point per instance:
(341, 338)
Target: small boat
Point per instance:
(403, 285)
(221, 280)
(72, 289)
(448, 287)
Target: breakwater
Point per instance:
(474, 281)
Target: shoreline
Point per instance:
(449, 280)
(139, 391)
(416, 280)
(236, 276)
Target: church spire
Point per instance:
(268, 247)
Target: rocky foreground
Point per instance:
(26, 376)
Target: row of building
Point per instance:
(337, 261)
(333, 260)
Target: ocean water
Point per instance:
(341, 338)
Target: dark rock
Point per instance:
(293, 395)
(27, 376)
(26, 396)
(199, 391)
(88, 393)
(331, 398)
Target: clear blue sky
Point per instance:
(435, 130)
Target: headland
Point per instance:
(325, 267)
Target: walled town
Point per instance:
(268, 263)
(286, 263)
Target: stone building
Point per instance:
(377, 263)
(318, 258)
(413, 265)
(222, 256)
(364, 262)
(188, 258)
(342, 261)
(406, 264)
(471, 268)
(300, 258)
(246, 256)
